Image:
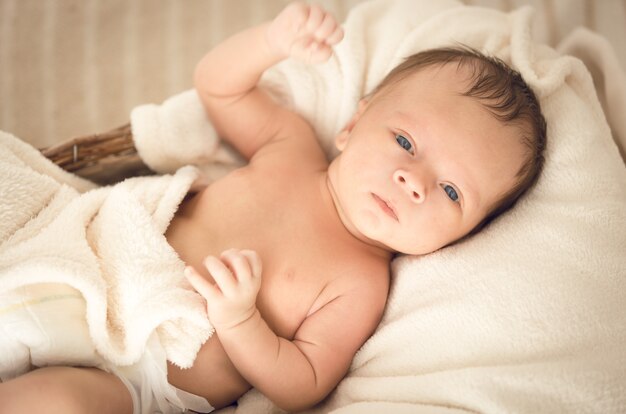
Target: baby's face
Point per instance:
(421, 165)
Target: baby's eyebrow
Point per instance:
(467, 183)
(406, 119)
(460, 175)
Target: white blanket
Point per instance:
(71, 253)
(528, 315)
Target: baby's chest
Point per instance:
(294, 272)
(281, 223)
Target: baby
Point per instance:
(292, 251)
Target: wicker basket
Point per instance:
(103, 158)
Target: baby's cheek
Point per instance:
(368, 222)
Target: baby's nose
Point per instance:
(411, 185)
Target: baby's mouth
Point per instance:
(386, 207)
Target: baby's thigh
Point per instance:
(65, 390)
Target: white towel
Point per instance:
(177, 133)
(62, 240)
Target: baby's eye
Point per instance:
(451, 192)
(404, 143)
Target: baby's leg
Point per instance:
(65, 390)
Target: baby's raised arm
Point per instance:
(226, 78)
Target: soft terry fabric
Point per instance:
(48, 322)
(528, 315)
(63, 241)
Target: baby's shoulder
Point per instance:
(368, 279)
(352, 305)
(362, 287)
(296, 143)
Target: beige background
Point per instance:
(76, 67)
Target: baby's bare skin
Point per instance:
(291, 310)
(309, 258)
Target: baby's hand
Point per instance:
(232, 299)
(305, 32)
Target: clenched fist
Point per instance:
(305, 32)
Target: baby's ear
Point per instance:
(341, 140)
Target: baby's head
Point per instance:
(448, 141)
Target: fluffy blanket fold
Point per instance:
(106, 246)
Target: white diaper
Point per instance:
(147, 383)
(187, 401)
(44, 325)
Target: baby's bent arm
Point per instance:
(294, 374)
(297, 374)
(226, 81)
(226, 78)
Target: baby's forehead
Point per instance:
(451, 75)
(448, 78)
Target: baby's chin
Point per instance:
(414, 248)
(374, 229)
(412, 252)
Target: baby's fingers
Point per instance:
(315, 18)
(221, 274)
(336, 36)
(326, 28)
(310, 51)
(200, 284)
(239, 265)
(255, 262)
